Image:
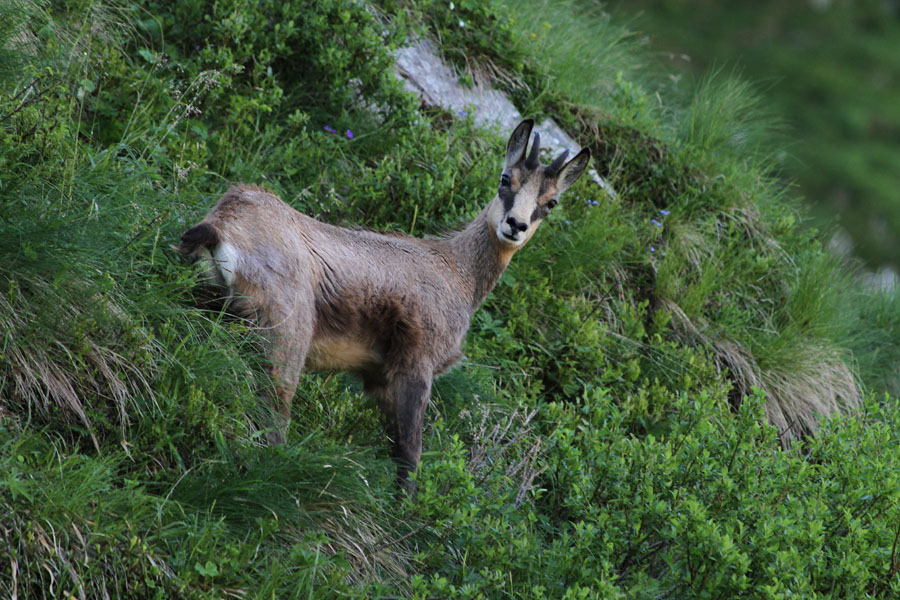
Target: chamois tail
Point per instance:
(198, 238)
(206, 243)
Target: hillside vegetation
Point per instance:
(832, 70)
(675, 393)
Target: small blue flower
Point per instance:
(655, 222)
(664, 212)
(330, 129)
(349, 134)
(568, 222)
(652, 249)
(594, 203)
(463, 113)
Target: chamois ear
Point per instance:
(572, 170)
(518, 141)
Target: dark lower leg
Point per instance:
(411, 396)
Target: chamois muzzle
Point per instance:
(515, 225)
(512, 231)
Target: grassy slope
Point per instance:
(595, 443)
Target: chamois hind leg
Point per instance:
(289, 340)
(286, 362)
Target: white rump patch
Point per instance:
(226, 259)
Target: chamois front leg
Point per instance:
(404, 407)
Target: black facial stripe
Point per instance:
(539, 213)
(508, 197)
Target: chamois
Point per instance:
(391, 308)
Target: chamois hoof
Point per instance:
(275, 437)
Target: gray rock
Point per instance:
(424, 73)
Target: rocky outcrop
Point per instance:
(424, 73)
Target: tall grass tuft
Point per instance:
(97, 357)
(728, 117)
(314, 490)
(589, 57)
(71, 528)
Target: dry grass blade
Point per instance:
(824, 386)
(50, 362)
(508, 437)
(356, 535)
(818, 385)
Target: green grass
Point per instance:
(607, 434)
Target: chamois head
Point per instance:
(529, 190)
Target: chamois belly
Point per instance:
(340, 354)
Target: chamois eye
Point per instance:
(504, 179)
(552, 203)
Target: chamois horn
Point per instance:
(557, 164)
(533, 159)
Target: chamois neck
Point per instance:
(479, 258)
